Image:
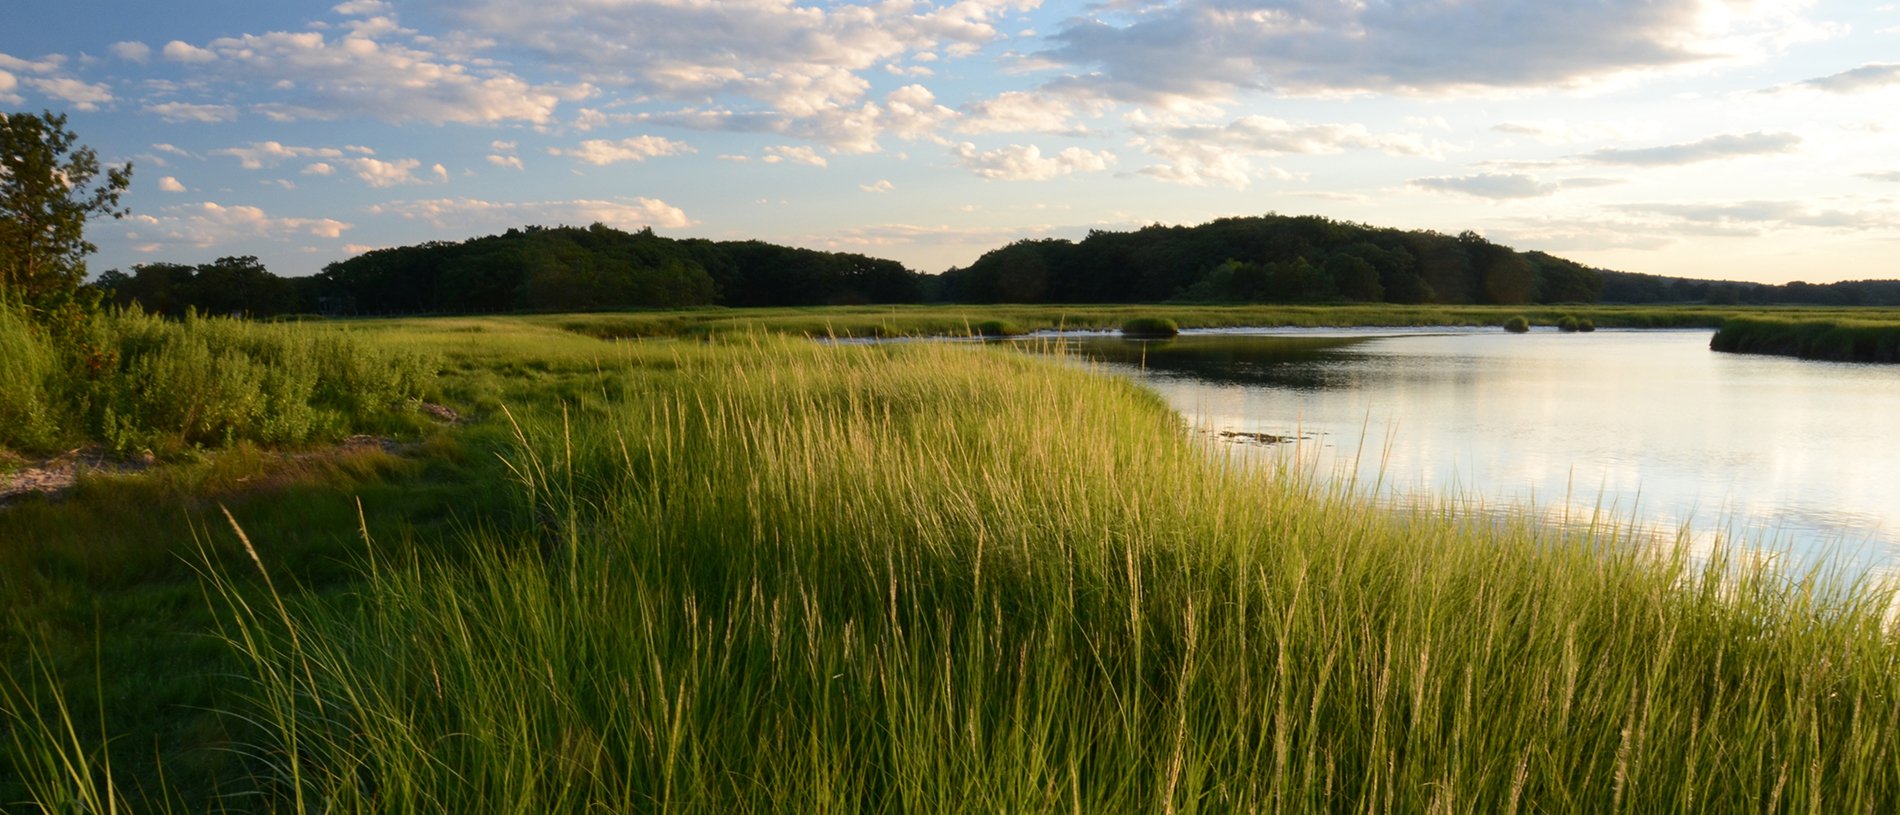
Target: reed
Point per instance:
(762, 574)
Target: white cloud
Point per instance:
(1212, 49)
(177, 112)
(261, 154)
(379, 173)
(799, 155)
(459, 214)
(1027, 163)
(306, 75)
(513, 162)
(180, 51)
(8, 82)
(1709, 149)
(1871, 76)
(82, 95)
(131, 51)
(1498, 186)
(170, 184)
(601, 152)
(1207, 155)
(1889, 175)
(1760, 217)
(881, 185)
(1017, 112)
(211, 224)
(319, 168)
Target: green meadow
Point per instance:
(693, 561)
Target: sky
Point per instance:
(1734, 139)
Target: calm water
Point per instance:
(1653, 425)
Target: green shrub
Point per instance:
(1586, 324)
(1150, 328)
(1569, 324)
(998, 328)
(28, 368)
(1517, 325)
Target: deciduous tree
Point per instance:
(50, 186)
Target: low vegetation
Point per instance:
(757, 573)
(1518, 324)
(1841, 340)
(133, 381)
(1150, 328)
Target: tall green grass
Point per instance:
(769, 576)
(1840, 340)
(131, 380)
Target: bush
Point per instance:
(132, 380)
(1150, 328)
(1517, 325)
(998, 328)
(29, 368)
(1586, 325)
(1569, 324)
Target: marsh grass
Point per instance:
(1840, 340)
(135, 381)
(782, 577)
(760, 574)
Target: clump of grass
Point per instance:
(29, 372)
(1518, 324)
(1838, 340)
(134, 381)
(1586, 325)
(1150, 328)
(998, 328)
(1569, 324)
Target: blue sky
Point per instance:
(1755, 139)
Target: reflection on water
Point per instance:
(1652, 425)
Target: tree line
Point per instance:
(527, 269)
(1271, 259)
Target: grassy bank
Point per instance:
(1840, 340)
(133, 381)
(914, 321)
(758, 574)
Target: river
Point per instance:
(1795, 457)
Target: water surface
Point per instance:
(1800, 455)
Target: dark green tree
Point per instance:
(50, 186)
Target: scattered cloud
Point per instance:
(131, 51)
(261, 154)
(1208, 155)
(1212, 49)
(170, 184)
(1500, 186)
(372, 71)
(1871, 76)
(881, 185)
(601, 152)
(178, 112)
(1889, 175)
(209, 224)
(797, 155)
(379, 173)
(1709, 149)
(1018, 112)
(180, 51)
(462, 214)
(319, 168)
(1019, 162)
(1757, 217)
(512, 162)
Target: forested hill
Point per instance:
(1264, 259)
(529, 269)
(1272, 258)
